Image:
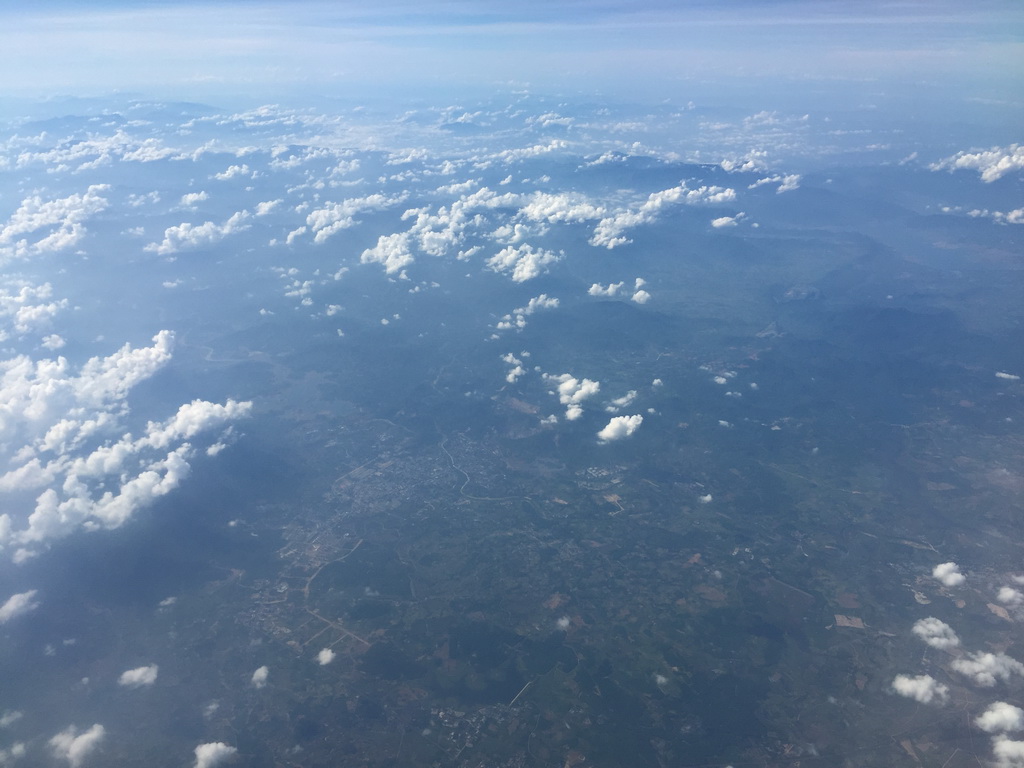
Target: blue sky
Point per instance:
(611, 47)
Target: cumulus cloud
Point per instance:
(262, 209)
(233, 171)
(620, 427)
(523, 262)
(986, 668)
(325, 657)
(610, 230)
(190, 199)
(621, 402)
(43, 226)
(62, 420)
(605, 290)
(517, 317)
(29, 307)
(18, 605)
(1008, 753)
(213, 753)
(786, 183)
(936, 633)
(563, 207)
(641, 297)
(259, 677)
(992, 164)
(73, 746)
(391, 251)
(923, 688)
(1000, 718)
(1015, 216)
(186, 236)
(517, 369)
(948, 574)
(1010, 596)
(334, 217)
(139, 677)
(572, 392)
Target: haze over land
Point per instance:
(475, 384)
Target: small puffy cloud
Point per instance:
(992, 164)
(9, 718)
(185, 236)
(1000, 718)
(214, 753)
(948, 574)
(523, 262)
(517, 317)
(262, 209)
(936, 633)
(619, 403)
(190, 199)
(392, 252)
(53, 342)
(334, 217)
(605, 290)
(610, 230)
(75, 747)
(786, 183)
(18, 605)
(325, 657)
(1008, 753)
(1010, 596)
(923, 688)
(728, 221)
(620, 427)
(641, 297)
(259, 677)
(986, 668)
(45, 226)
(232, 171)
(1007, 376)
(139, 677)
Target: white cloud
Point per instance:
(1008, 753)
(53, 224)
(786, 183)
(232, 171)
(334, 217)
(214, 753)
(609, 232)
(560, 208)
(60, 419)
(620, 427)
(1010, 596)
(1007, 376)
(948, 574)
(262, 209)
(641, 297)
(923, 688)
(992, 164)
(936, 633)
(186, 235)
(1001, 717)
(259, 677)
(75, 747)
(572, 392)
(523, 261)
(391, 251)
(517, 317)
(190, 199)
(1015, 216)
(986, 668)
(10, 717)
(18, 605)
(325, 657)
(610, 290)
(139, 677)
(621, 402)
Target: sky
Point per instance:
(648, 49)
